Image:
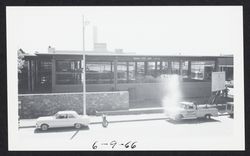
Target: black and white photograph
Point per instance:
(125, 78)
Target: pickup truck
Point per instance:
(189, 110)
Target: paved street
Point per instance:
(128, 135)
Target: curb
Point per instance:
(132, 111)
(132, 120)
(26, 127)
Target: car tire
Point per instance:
(44, 127)
(178, 117)
(207, 116)
(78, 125)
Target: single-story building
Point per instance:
(140, 75)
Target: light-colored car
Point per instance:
(62, 119)
(188, 110)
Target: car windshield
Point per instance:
(191, 107)
(183, 106)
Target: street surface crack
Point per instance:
(74, 135)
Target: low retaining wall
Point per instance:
(35, 105)
(143, 91)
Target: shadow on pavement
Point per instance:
(64, 129)
(192, 121)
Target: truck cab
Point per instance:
(189, 110)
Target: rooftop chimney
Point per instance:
(119, 51)
(51, 50)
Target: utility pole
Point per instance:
(83, 70)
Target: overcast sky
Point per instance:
(166, 30)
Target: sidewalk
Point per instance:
(30, 123)
(138, 114)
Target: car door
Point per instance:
(191, 112)
(61, 120)
(71, 120)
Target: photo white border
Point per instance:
(235, 142)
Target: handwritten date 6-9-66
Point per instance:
(113, 144)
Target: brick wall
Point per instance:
(35, 105)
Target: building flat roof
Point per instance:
(91, 53)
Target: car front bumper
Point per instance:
(38, 126)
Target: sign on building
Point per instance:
(218, 81)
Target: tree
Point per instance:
(20, 60)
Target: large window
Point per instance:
(44, 75)
(184, 67)
(131, 73)
(73, 78)
(228, 71)
(208, 69)
(68, 65)
(122, 72)
(197, 70)
(45, 65)
(140, 69)
(68, 72)
(202, 70)
(23, 78)
(165, 67)
(175, 67)
(99, 72)
(158, 71)
(151, 69)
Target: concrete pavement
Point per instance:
(148, 134)
(112, 116)
(152, 113)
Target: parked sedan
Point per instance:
(62, 119)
